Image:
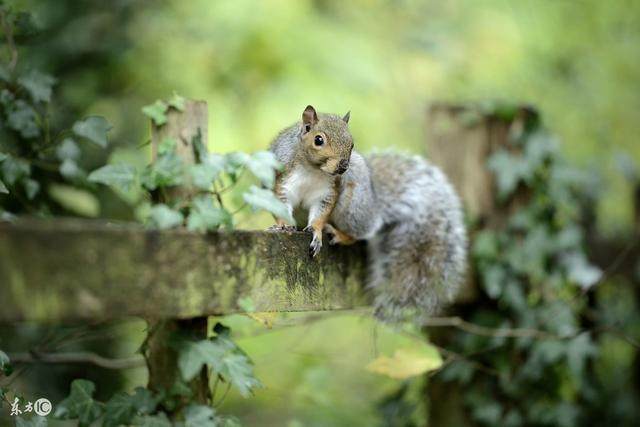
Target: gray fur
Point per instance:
(411, 217)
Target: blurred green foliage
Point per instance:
(258, 64)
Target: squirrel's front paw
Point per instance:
(316, 245)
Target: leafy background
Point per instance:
(258, 65)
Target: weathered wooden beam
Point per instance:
(52, 270)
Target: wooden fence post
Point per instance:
(460, 141)
(162, 358)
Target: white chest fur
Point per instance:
(306, 187)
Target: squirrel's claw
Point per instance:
(316, 245)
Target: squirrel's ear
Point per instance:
(309, 118)
(347, 117)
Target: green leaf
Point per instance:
(5, 364)
(223, 356)
(158, 420)
(68, 150)
(156, 112)
(580, 271)
(166, 171)
(199, 416)
(70, 169)
(34, 421)
(22, 117)
(205, 216)
(193, 355)
(122, 407)
(168, 145)
(163, 217)
(263, 165)
(3, 156)
(14, 169)
(260, 198)
(118, 410)
(119, 176)
(177, 102)
(75, 200)
(38, 85)
(3, 188)
(94, 129)
(80, 404)
(509, 171)
(238, 370)
(31, 188)
(204, 174)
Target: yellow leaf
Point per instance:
(405, 363)
(265, 319)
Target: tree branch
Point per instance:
(79, 357)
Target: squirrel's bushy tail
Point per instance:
(418, 257)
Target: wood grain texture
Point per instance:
(52, 270)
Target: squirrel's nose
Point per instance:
(342, 166)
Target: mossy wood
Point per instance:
(53, 270)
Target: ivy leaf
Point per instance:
(406, 363)
(38, 85)
(204, 174)
(177, 102)
(167, 146)
(263, 165)
(3, 188)
(509, 170)
(163, 217)
(166, 171)
(122, 407)
(35, 421)
(580, 271)
(80, 404)
(260, 198)
(193, 355)
(22, 118)
(68, 150)
(233, 163)
(5, 364)
(158, 420)
(120, 176)
(205, 216)
(31, 188)
(118, 410)
(237, 369)
(199, 416)
(70, 169)
(14, 169)
(94, 129)
(223, 356)
(156, 112)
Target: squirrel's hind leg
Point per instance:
(338, 237)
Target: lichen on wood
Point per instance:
(53, 270)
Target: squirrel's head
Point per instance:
(326, 141)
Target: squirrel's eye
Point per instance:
(318, 140)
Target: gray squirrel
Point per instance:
(403, 206)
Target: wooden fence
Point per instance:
(66, 270)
